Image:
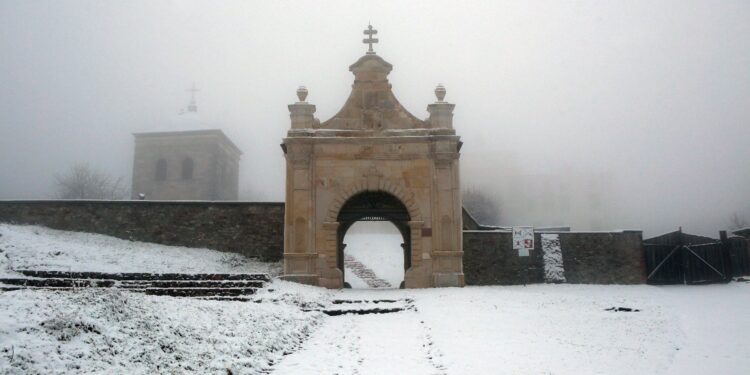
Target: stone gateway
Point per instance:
(373, 161)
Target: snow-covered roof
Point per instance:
(183, 121)
(190, 133)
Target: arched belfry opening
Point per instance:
(373, 160)
(373, 206)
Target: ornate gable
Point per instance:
(372, 104)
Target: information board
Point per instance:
(523, 240)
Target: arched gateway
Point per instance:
(373, 161)
(374, 206)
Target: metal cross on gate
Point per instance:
(370, 40)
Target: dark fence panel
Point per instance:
(706, 263)
(664, 264)
(740, 255)
(678, 258)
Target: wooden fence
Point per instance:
(679, 258)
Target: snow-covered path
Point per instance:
(367, 344)
(559, 329)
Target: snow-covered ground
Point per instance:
(35, 247)
(377, 245)
(116, 332)
(536, 329)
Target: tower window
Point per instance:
(161, 170)
(187, 169)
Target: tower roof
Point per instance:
(190, 134)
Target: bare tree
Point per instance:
(482, 206)
(84, 182)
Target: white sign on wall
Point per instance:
(523, 240)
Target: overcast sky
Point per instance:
(644, 105)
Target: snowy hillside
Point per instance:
(35, 247)
(115, 332)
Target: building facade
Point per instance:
(182, 164)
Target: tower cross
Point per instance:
(192, 92)
(370, 40)
(192, 107)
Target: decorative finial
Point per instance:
(370, 40)
(302, 93)
(192, 107)
(440, 92)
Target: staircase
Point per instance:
(365, 273)
(205, 286)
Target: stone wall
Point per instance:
(256, 230)
(588, 258)
(251, 229)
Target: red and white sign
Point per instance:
(523, 240)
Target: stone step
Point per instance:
(59, 283)
(10, 288)
(364, 307)
(93, 283)
(216, 293)
(375, 301)
(199, 292)
(229, 299)
(220, 286)
(145, 276)
(375, 310)
(364, 273)
(191, 284)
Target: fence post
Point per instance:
(684, 256)
(726, 259)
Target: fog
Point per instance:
(597, 115)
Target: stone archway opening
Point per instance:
(373, 256)
(373, 206)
